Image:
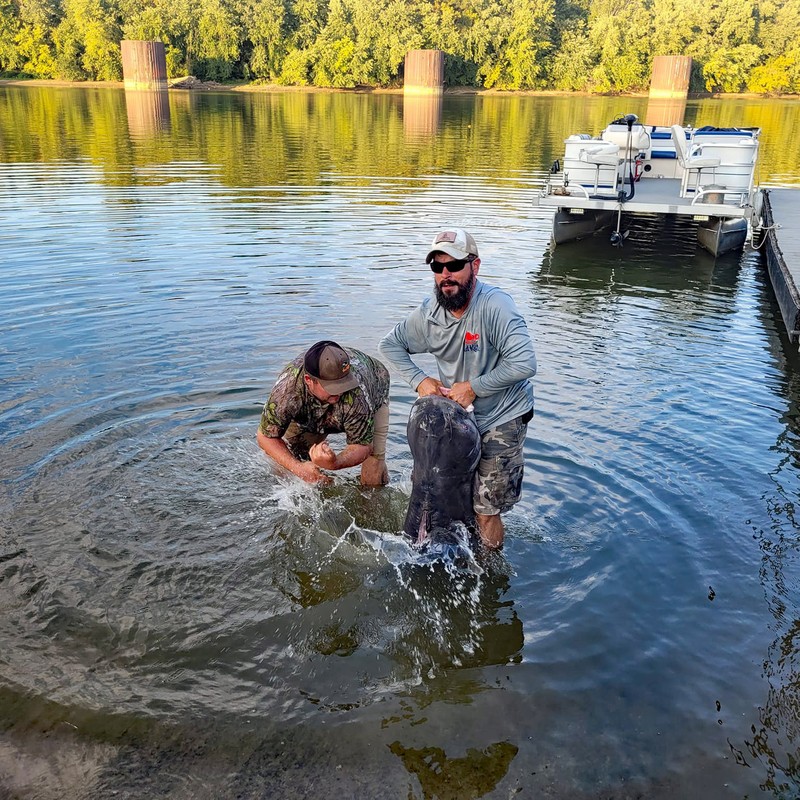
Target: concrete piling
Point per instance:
(424, 72)
(144, 65)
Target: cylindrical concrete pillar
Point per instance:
(670, 77)
(144, 65)
(424, 72)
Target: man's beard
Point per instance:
(457, 301)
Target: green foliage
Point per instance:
(618, 32)
(577, 45)
(87, 41)
(362, 42)
(459, 71)
(574, 59)
(10, 55)
(296, 69)
(264, 37)
(35, 52)
(216, 41)
(779, 41)
(778, 75)
(727, 70)
(524, 38)
(675, 26)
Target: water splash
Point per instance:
(452, 552)
(294, 496)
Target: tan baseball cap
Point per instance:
(328, 363)
(456, 243)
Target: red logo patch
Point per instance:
(471, 338)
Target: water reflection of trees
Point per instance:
(297, 138)
(454, 623)
(455, 620)
(461, 778)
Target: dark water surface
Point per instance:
(179, 620)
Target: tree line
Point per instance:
(574, 45)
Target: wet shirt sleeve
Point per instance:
(283, 406)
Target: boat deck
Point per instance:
(652, 195)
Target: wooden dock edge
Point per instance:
(782, 282)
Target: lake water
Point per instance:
(180, 620)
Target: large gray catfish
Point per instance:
(446, 447)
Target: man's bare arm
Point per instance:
(354, 454)
(277, 450)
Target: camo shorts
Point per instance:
(498, 479)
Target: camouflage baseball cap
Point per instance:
(456, 243)
(328, 363)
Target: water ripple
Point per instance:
(163, 587)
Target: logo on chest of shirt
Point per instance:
(471, 342)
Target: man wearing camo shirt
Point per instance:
(328, 389)
(485, 358)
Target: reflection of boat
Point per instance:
(667, 261)
(703, 173)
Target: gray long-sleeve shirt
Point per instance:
(489, 346)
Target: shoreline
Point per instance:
(256, 88)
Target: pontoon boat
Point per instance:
(703, 173)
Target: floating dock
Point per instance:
(782, 249)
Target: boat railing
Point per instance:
(579, 188)
(719, 195)
(737, 152)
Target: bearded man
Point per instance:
(485, 358)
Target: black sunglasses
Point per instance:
(452, 266)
